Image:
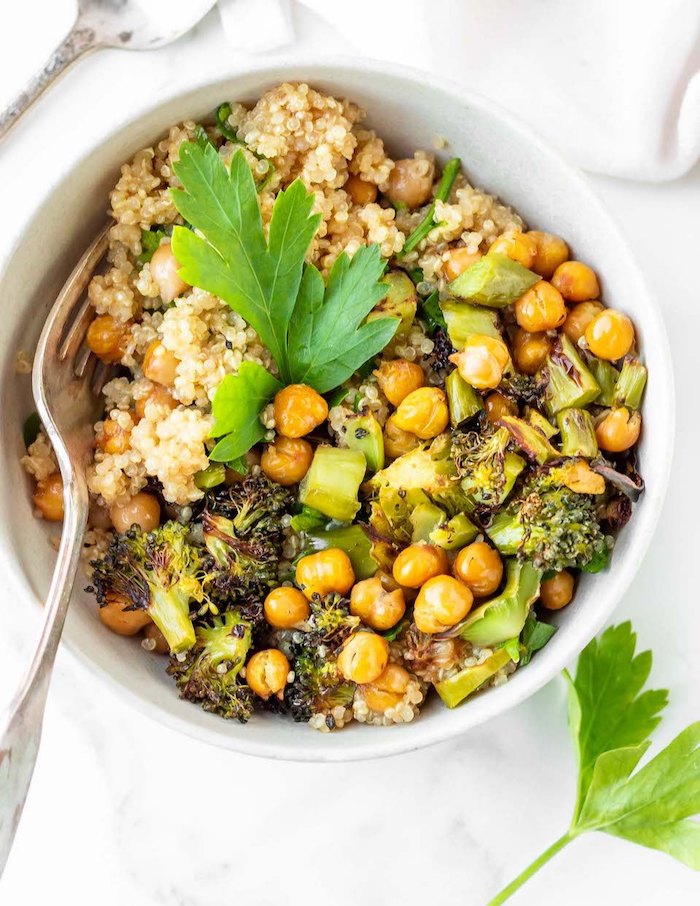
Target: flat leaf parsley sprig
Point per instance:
(611, 719)
(316, 333)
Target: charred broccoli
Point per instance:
(159, 572)
(487, 468)
(209, 672)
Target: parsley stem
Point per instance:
(447, 181)
(533, 867)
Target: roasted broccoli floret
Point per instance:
(488, 470)
(159, 572)
(209, 672)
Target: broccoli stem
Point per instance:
(630, 384)
(494, 281)
(428, 223)
(462, 399)
(570, 383)
(577, 433)
(463, 320)
(332, 483)
(606, 375)
(169, 609)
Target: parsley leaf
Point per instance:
(150, 240)
(237, 404)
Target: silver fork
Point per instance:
(66, 382)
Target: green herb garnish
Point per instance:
(150, 240)
(430, 311)
(428, 223)
(236, 406)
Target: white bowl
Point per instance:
(408, 109)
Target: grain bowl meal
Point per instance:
(366, 429)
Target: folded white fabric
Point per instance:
(614, 84)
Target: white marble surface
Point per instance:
(124, 811)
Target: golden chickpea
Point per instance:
(287, 460)
(558, 591)
(157, 396)
(325, 572)
(551, 252)
(286, 607)
(113, 438)
(363, 657)
(164, 270)
(396, 441)
(530, 350)
(576, 281)
(119, 620)
(411, 182)
(541, 308)
(497, 405)
(580, 477)
(156, 641)
(107, 337)
(418, 563)
(441, 603)
(360, 191)
(160, 364)
(480, 567)
(423, 412)
(579, 317)
(142, 509)
(375, 605)
(618, 430)
(298, 410)
(266, 673)
(48, 497)
(610, 335)
(481, 361)
(398, 378)
(388, 690)
(521, 247)
(457, 260)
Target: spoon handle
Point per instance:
(78, 41)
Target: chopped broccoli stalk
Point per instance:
(364, 433)
(537, 420)
(529, 439)
(569, 382)
(213, 475)
(503, 617)
(428, 223)
(487, 468)
(464, 320)
(463, 400)
(400, 301)
(456, 688)
(606, 376)
(425, 518)
(332, 483)
(495, 281)
(630, 385)
(577, 433)
(454, 534)
(352, 539)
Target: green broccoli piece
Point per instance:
(209, 672)
(488, 470)
(159, 572)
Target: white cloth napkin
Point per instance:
(614, 84)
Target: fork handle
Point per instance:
(20, 725)
(80, 40)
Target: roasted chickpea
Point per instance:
(530, 350)
(610, 335)
(325, 572)
(119, 620)
(106, 337)
(48, 497)
(618, 430)
(155, 640)
(286, 607)
(576, 281)
(551, 252)
(519, 246)
(423, 412)
(360, 191)
(160, 364)
(497, 405)
(397, 378)
(142, 509)
(411, 182)
(418, 563)
(363, 657)
(266, 673)
(113, 438)
(164, 270)
(396, 441)
(541, 308)
(441, 603)
(558, 591)
(481, 361)
(157, 396)
(578, 476)
(298, 410)
(480, 567)
(375, 605)
(457, 260)
(579, 317)
(388, 690)
(287, 460)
